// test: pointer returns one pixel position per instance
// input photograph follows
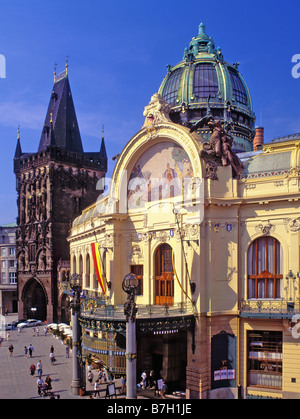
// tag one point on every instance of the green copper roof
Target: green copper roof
(204, 82)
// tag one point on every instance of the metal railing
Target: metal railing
(269, 308)
(98, 311)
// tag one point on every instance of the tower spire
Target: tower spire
(103, 154)
(18, 152)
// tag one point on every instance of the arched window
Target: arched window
(80, 265)
(265, 268)
(74, 265)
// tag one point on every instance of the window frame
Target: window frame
(265, 276)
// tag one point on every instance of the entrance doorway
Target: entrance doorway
(164, 276)
(35, 304)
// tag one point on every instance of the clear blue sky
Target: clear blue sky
(118, 51)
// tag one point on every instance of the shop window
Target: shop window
(265, 359)
(265, 268)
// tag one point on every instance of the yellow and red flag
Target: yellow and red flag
(97, 265)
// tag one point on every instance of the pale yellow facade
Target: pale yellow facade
(210, 233)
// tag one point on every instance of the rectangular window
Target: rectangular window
(265, 359)
(138, 271)
(12, 277)
(264, 268)
(12, 263)
(205, 80)
(12, 251)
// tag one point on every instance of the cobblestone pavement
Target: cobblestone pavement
(16, 381)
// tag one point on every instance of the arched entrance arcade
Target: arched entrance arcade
(34, 298)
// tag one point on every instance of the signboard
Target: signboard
(110, 390)
(224, 375)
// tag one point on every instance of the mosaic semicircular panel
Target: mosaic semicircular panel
(160, 173)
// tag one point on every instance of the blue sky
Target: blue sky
(118, 51)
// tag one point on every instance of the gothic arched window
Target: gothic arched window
(265, 268)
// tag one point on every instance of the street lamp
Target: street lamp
(75, 291)
(129, 285)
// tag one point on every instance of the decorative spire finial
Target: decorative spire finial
(201, 28)
(18, 132)
(55, 65)
(67, 64)
(103, 131)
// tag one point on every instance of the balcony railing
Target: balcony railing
(280, 309)
(93, 308)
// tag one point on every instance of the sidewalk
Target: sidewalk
(15, 379)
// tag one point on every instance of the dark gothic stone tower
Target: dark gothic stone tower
(53, 186)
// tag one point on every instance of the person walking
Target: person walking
(11, 350)
(163, 390)
(52, 358)
(37, 331)
(32, 370)
(123, 382)
(90, 377)
(40, 382)
(25, 351)
(48, 381)
(30, 350)
(67, 351)
(39, 368)
(97, 388)
(144, 380)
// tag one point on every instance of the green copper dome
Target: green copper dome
(203, 82)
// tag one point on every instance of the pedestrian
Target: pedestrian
(45, 331)
(67, 351)
(33, 332)
(32, 369)
(163, 389)
(123, 382)
(48, 381)
(144, 379)
(100, 376)
(97, 388)
(90, 377)
(52, 349)
(7, 336)
(39, 368)
(25, 351)
(11, 350)
(37, 331)
(52, 358)
(40, 382)
(30, 350)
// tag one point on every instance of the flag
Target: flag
(97, 265)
